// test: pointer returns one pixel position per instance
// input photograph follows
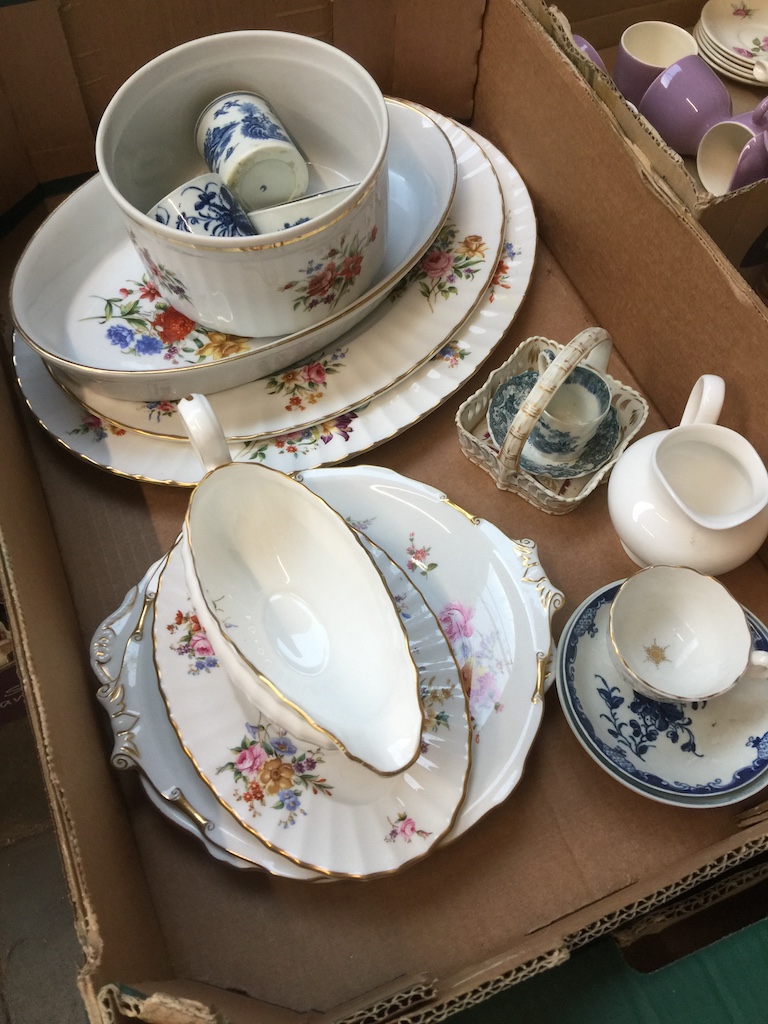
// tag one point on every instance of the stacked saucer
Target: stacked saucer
(460, 249)
(733, 39)
(477, 609)
(698, 754)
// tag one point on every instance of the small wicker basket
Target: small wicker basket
(554, 496)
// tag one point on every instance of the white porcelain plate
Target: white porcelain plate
(705, 754)
(419, 316)
(492, 598)
(81, 298)
(739, 29)
(719, 60)
(316, 807)
(142, 457)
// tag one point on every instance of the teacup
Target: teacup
(572, 416)
(203, 206)
(298, 211)
(679, 636)
(589, 51)
(240, 137)
(732, 154)
(683, 103)
(645, 50)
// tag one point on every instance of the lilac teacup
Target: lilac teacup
(645, 50)
(684, 101)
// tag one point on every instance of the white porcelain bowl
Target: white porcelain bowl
(335, 113)
(299, 615)
(679, 636)
(82, 253)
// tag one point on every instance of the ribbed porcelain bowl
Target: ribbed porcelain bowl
(300, 617)
(269, 284)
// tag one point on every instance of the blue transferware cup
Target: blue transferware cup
(573, 414)
(203, 206)
(241, 138)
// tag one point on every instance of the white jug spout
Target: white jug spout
(713, 473)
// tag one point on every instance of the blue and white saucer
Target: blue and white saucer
(503, 408)
(704, 754)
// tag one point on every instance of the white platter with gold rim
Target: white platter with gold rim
(330, 441)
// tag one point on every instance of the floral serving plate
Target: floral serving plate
(123, 660)
(95, 316)
(490, 594)
(739, 29)
(142, 457)
(439, 292)
(701, 754)
(316, 806)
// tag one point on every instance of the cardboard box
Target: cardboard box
(167, 932)
(738, 221)
(11, 693)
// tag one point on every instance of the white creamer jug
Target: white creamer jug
(695, 495)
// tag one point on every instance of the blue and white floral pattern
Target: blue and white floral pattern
(698, 749)
(238, 118)
(211, 209)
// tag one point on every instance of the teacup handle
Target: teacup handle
(705, 401)
(204, 430)
(549, 381)
(758, 665)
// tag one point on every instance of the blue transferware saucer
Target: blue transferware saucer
(703, 754)
(503, 408)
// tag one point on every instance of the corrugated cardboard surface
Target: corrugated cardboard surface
(46, 134)
(571, 852)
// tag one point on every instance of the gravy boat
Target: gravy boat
(296, 609)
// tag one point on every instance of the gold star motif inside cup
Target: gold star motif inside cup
(655, 653)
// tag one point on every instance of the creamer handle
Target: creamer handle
(705, 400)
(758, 665)
(204, 430)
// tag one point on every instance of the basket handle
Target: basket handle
(541, 393)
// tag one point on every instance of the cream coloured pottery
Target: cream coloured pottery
(136, 455)
(696, 495)
(335, 113)
(680, 636)
(82, 299)
(440, 292)
(697, 756)
(300, 616)
(489, 592)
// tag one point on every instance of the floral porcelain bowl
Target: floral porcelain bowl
(300, 616)
(270, 284)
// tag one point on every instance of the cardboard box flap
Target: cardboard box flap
(105, 883)
(44, 95)
(189, 1002)
(588, 190)
(569, 853)
(408, 53)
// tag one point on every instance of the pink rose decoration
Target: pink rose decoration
(201, 645)
(315, 373)
(250, 760)
(455, 620)
(436, 264)
(322, 282)
(407, 828)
